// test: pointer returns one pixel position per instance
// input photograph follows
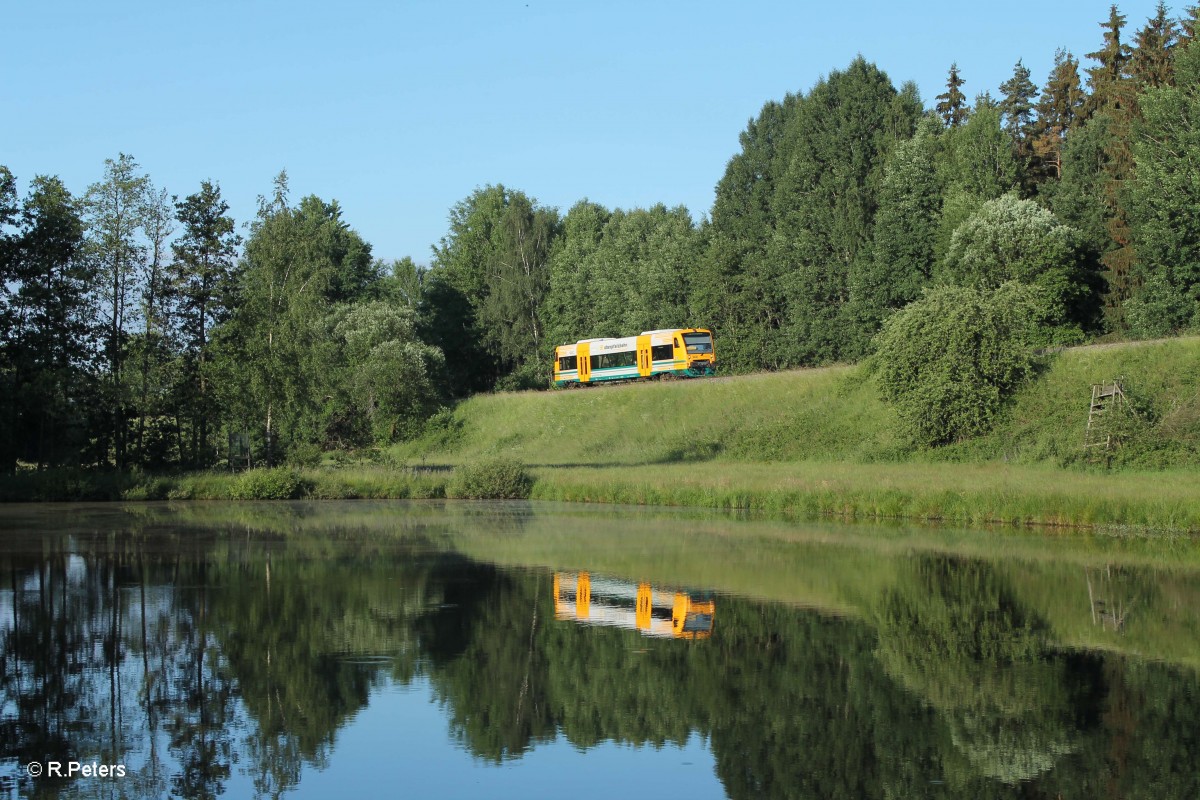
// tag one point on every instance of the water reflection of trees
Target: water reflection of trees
(99, 659)
(955, 636)
(259, 652)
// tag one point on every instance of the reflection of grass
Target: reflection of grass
(963, 493)
(836, 567)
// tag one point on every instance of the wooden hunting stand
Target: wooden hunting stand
(1106, 398)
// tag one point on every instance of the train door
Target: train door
(583, 596)
(644, 609)
(584, 353)
(643, 356)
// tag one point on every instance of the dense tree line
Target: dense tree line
(139, 330)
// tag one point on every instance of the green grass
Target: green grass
(821, 442)
(829, 414)
(283, 483)
(961, 493)
(1046, 422)
(801, 443)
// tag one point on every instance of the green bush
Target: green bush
(494, 479)
(280, 483)
(304, 454)
(949, 361)
(531, 375)
(148, 488)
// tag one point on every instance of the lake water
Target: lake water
(517, 650)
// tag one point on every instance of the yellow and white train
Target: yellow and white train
(675, 352)
(658, 613)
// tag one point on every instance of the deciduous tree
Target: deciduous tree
(949, 361)
(114, 211)
(298, 262)
(905, 236)
(1165, 204)
(496, 254)
(1010, 239)
(825, 206)
(739, 291)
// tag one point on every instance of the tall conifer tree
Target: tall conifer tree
(202, 288)
(1111, 88)
(952, 104)
(1058, 109)
(1114, 96)
(1163, 200)
(1017, 105)
(1150, 64)
(1189, 25)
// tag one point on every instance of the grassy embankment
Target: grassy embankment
(821, 442)
(787, 444)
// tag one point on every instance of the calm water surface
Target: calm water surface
(535, 650)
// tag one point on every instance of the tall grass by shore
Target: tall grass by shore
(967, 494)
(281, 483)
(970, 494)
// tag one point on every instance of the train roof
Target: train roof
(661, 331)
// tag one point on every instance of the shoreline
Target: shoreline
(974, 494)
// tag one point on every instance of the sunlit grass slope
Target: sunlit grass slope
(831, 414)
(821, 442)
(819, 414)
(1046, 422)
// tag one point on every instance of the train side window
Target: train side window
(677, 342)
(661, 352)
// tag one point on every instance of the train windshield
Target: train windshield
(698, 342)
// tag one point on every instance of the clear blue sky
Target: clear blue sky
(400, 109)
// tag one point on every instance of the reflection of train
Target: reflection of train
(635, 606)
(673, 352)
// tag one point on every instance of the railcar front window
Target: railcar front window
(698, 342)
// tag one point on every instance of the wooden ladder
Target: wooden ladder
(1104, 396)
